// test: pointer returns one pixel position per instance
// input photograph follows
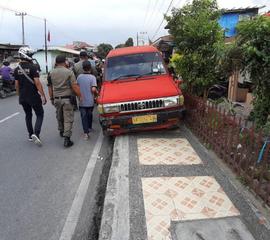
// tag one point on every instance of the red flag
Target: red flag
(49, 36)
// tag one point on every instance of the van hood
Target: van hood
(140, 89)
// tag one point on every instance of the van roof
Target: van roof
(131, 50)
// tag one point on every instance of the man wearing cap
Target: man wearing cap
(61, 85)
(78, 68)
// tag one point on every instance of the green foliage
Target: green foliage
(129, 42)
(254, 41)
(104, 49)
(200, 42)
(229, 106)
(120, 46)
(174, 61)
(230, 60)
(266, 127)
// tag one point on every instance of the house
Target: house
(231, 17)
(239, 83)
(52, 53)
(8, 51)
(79, 46)
(267, 14)
(165, 45)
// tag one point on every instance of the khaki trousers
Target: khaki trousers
(64, 116)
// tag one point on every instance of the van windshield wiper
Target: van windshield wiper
(123, 76)
(147, 74)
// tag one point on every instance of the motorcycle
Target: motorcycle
(218, 91)
(6, 88)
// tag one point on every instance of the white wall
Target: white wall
(40, 57)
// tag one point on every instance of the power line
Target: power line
(16, 11)
(153, 12)
(147, 11)
(36, 17)
(168, 9)
(160, 11)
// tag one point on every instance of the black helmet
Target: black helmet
(83, 54)
(6, 62)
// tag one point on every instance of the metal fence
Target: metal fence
(246, 151)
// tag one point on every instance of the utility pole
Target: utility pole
(46, 47)
(140, 37)
(22, 14)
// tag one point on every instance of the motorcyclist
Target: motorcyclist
(31, 93)
(7, 77)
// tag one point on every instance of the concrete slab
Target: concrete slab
(115, 220)
(127, 211)
(230, 228)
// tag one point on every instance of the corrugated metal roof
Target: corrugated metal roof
(62, 49)
(166, 38)
(241, 10)
(11, 46)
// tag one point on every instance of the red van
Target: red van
(138, 93)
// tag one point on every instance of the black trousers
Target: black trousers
(38, 109)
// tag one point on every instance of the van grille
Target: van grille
(141, 105)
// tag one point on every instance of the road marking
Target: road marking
(75, 210)
(9, 117)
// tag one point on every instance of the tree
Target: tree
(129, 42)
(254, 41)
(103, 50)
(120, 46)
(199, 40)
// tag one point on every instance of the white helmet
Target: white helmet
(26, 53)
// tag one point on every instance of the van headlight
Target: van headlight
(171, 101)
(111, 108)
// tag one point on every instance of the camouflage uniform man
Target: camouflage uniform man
(78, 68)
(61, 84)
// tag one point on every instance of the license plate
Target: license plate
(144, 119)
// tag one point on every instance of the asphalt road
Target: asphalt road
(38, 185)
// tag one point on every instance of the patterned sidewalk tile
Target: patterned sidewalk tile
(164, 151)
(182, 198)
(158, 228)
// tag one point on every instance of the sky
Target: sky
(93, 21)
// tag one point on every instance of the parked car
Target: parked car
(138, 93)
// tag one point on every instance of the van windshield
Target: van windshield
(134, 65)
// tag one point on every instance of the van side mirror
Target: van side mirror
(178, 82)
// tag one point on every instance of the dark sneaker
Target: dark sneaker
(30, 139)
(61, 134)
(36, 140)
(67, 142)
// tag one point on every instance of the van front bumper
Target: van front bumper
(116, 125)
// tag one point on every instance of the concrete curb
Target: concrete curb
(115, 219)
(78, 218)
